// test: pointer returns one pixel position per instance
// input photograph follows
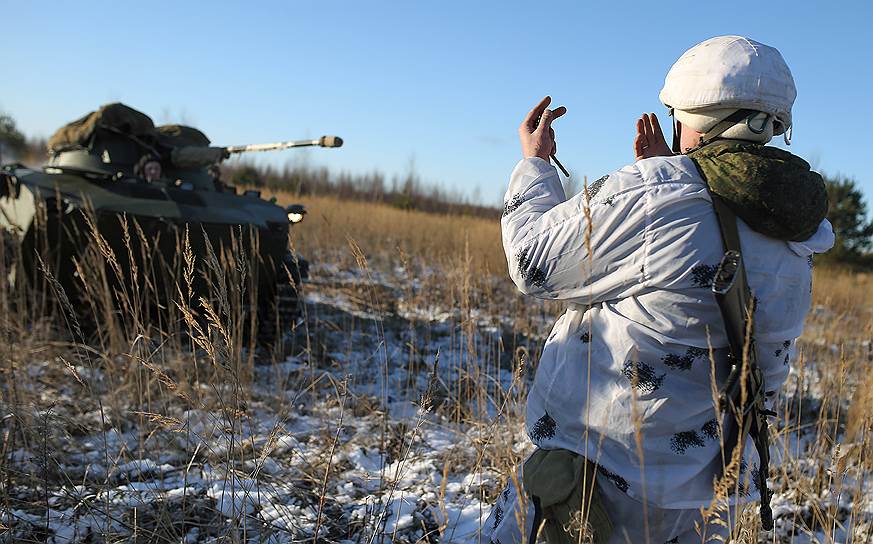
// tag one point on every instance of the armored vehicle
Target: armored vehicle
(148, 200)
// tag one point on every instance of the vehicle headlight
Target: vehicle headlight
(295, 213)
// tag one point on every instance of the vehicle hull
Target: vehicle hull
(152, 246)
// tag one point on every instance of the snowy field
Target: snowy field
(358, 440)
(393, 414)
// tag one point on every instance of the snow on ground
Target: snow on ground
(398, 470)
(363, 439)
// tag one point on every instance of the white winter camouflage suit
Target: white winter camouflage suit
(640, 311)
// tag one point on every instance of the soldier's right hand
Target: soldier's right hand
(536, 134)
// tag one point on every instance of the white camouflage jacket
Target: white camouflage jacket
(634, 261)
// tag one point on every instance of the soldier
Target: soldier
(214, 172)
(148, 168)
(621, 410)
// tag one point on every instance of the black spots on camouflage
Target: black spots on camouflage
(680, 442)
(617, 480)
(696, 352)
(741, 488)
(680, 362)
(531, 275)
(703, 274)
(710, 429)
(809, 261)
(586, 337)
(785, 348)
(756, 478)
(684, 440)
(498, 516)
(683, 362)
(644, 376)
(785, 345)
(595, 187)
(544, 428)
(674, 540)
(512, 204)
(506, 495)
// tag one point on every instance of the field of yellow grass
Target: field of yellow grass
(383, 232)
(392, 412)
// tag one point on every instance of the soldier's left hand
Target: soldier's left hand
(650, 140)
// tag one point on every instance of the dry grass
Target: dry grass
(843, 291)
(196, 394)
(384, 233)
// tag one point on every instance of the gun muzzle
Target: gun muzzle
(330, 141)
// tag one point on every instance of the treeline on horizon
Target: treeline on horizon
(406, 191)
(847, 209)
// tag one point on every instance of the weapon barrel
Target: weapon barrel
(324, 141)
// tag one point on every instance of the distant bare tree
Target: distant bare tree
(12, 141)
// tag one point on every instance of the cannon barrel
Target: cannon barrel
(198, 157)
(324, 141)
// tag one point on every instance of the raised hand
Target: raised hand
(536, 134)
(650, 140)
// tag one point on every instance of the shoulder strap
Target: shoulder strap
(727, 223)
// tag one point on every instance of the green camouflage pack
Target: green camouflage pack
(770, 189)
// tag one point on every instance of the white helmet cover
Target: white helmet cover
(731, 72)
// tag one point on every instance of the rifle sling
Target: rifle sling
(727, 224)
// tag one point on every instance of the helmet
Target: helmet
(728, 73)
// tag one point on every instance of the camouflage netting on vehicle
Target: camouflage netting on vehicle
(180, 135)
(114, 117)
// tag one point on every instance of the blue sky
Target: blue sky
(442, 85)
